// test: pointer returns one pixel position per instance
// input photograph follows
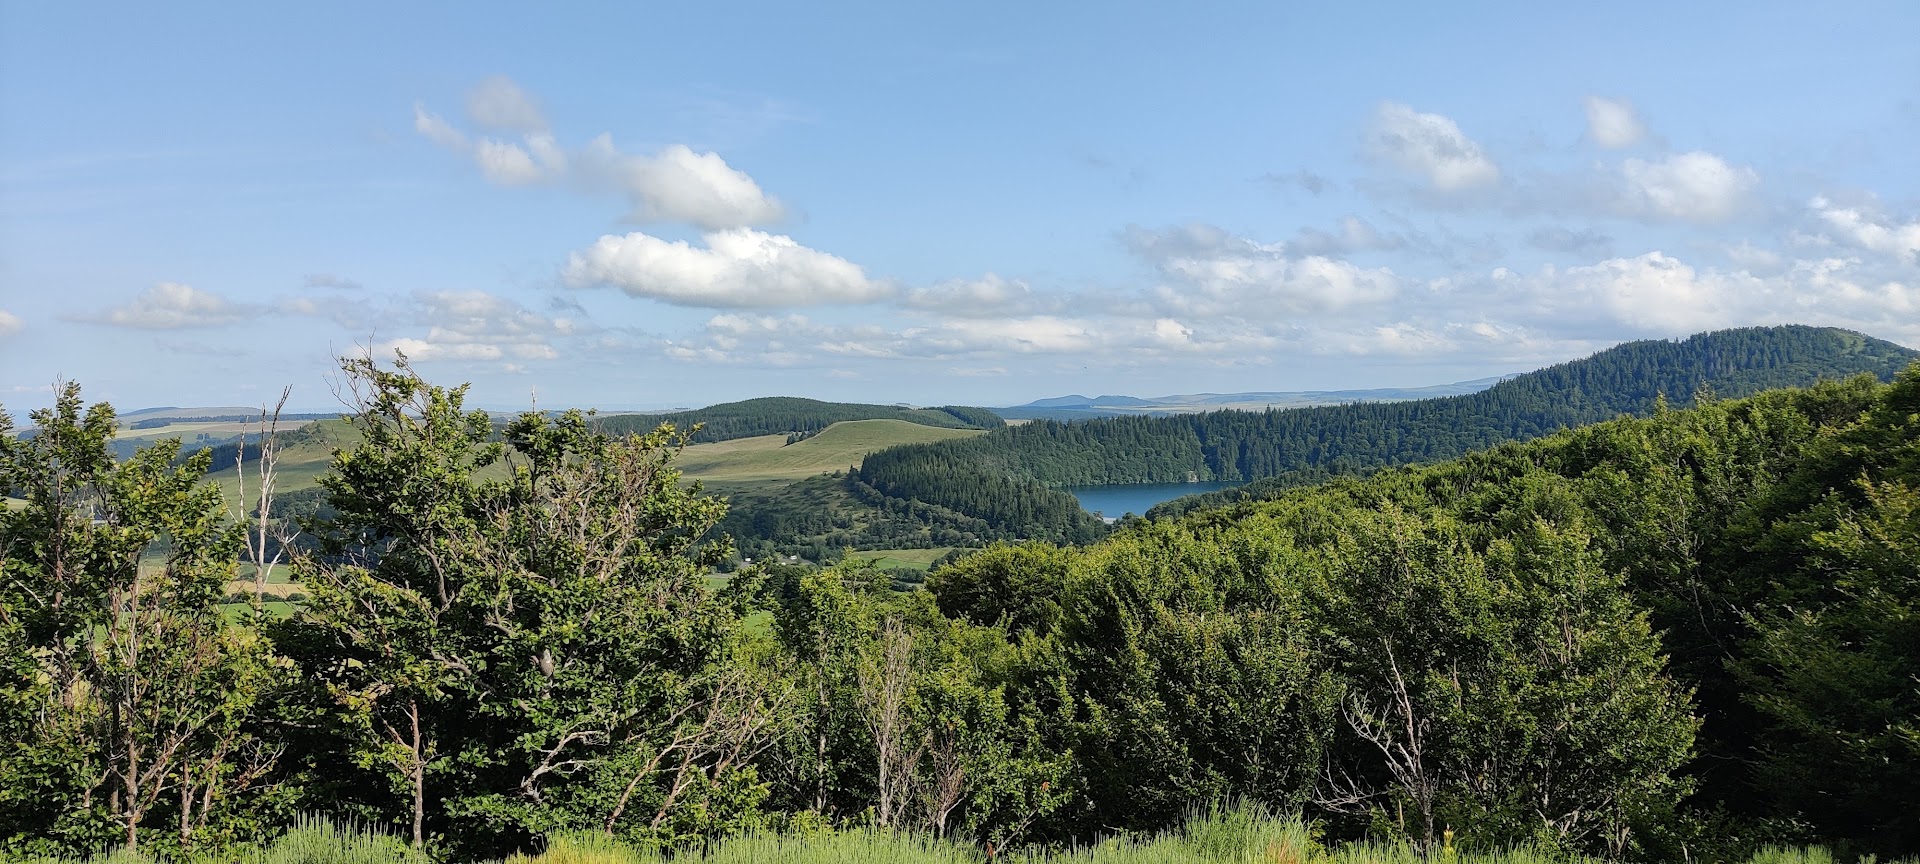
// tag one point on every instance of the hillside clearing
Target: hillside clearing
(895, 559)
(836, 448)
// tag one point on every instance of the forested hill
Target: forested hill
(786, 415)
(1314, 442)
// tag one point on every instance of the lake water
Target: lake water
(1116, 501)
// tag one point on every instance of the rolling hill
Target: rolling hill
(973, 476)
(306, 452)
(785, 415)
(835, 448)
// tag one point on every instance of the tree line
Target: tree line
(1306, 444)
(1665, 638)
(787, 415)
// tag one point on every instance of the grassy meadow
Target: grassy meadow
(725, 465)
(894, 559)
(1220, 836)
(770, 457)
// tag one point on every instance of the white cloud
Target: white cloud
(988, 296)
(477, 326)
(10, 323)
(793, 340)
(439, 131)
(498, 103)
(1400, 338)
(174, 306)
(510, 164)
(424, 350)
(1431, 146)
(675, 185)
(736, 268)
(1613, 123)
(1660, 293)
(1868, 231)
(1213, 273)
(679, 185)
(1691, 187)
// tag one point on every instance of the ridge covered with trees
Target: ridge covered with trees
(787, 415)
(1308, 444)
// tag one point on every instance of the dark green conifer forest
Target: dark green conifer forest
(1306, 444)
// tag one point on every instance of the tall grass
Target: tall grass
(1217, 835)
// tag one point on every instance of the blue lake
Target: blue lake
(1116, 501)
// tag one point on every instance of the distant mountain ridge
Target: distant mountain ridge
(1077, 406)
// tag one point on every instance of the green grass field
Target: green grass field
(1214, 836)
(770, 457)
(726, 466)
(188, 431)
(894, 559)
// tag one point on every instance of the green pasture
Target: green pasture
(836, 448)
(894, 559)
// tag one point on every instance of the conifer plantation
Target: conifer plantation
(1685, 636)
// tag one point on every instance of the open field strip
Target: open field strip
(893, 559)
(838, 447)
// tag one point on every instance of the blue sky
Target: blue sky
(635, 205)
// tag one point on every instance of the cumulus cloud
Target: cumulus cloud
(1613, 123)
(738, 267)
(1657, 293)
(10, 323)
(174, 306)
(1399, 338)
(1870, 231)
(1210, 272)
(989, 296)
(477, 326)
(537, 161)
(676, 184)
(794, 340)
(498, 103)
(680, 185)
(1430, 146)
(1660, 293)
(1690, 187)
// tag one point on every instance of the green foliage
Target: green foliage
(127, 698)
(1015, 587)
(509, 657)
(1830, 662)
(823, 517)
(905, 713)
